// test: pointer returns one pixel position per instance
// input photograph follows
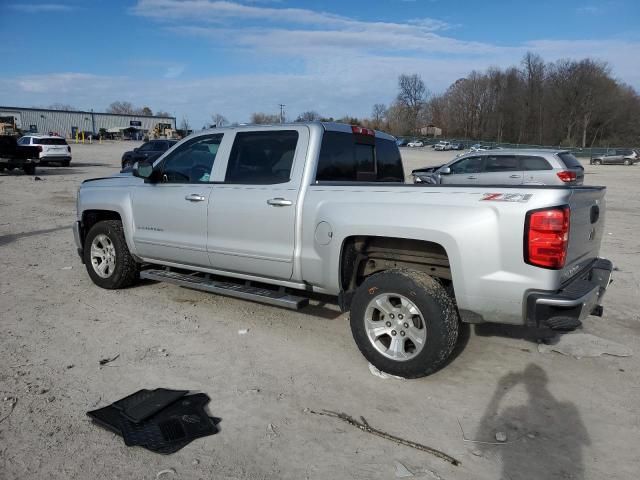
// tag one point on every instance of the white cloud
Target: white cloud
(341, 65)
(174, 71)
(589, 9)
(40, 7)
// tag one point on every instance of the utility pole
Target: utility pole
(282, 105)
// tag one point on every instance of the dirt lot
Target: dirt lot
(565, 418)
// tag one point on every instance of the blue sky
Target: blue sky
(196, 57)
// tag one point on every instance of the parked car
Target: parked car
(442, 146)
(14, 155)
(507, 167)
(457, 146)
(148, 151)
(618, 156)
(53, 149)
(323, 207)
(402, 142)
(415, 143)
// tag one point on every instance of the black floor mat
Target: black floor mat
(167, 431)
(145, 403)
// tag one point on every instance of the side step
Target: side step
(278, 298)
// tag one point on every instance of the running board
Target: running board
(278, 298)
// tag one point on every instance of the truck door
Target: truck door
(252, 212)
(170, 216)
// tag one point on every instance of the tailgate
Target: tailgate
(586, 228)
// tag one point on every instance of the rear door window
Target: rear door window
(501, 163)
(534, 163)
(570, 160)
(262, 158)
(347, 157)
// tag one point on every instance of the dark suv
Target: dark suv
(148, 151)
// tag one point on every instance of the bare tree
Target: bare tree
(219, 120)
(62, 106)
(125, 108)
(162, 113)
(184, 124)
(145, 111)
(264, 118)
(378, 115)
(309, 116)
(412, 96)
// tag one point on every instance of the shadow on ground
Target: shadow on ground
(545, 437)
(6, 239)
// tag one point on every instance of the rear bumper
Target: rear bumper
(567, 307)
(54, 159)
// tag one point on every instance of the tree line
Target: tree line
(568, 102)
(573, 103)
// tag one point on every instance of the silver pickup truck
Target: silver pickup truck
(277, 213)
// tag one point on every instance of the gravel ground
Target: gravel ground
(564, 418)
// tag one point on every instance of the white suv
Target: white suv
(53, 149)
(443, 146)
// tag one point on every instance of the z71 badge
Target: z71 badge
(506, 197)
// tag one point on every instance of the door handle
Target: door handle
(279, 202)
(472, 177)
(514, 176)
(194, 197)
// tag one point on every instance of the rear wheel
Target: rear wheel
(107, 257)
(29, 169)
(404, 322)
(66, 163)
(627, 162)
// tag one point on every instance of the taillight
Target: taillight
(363, 131)
(567, 176)
(546, 237)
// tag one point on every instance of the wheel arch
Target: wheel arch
(362, 256)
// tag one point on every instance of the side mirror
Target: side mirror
(136, 149)
(143, 170)
(442, 171)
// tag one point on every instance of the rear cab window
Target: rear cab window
(356, 157)
(570, 160)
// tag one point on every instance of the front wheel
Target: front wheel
(627, 162)
(107, 257)
(597, 162)
(404, 322)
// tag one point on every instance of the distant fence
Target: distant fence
(577, 151)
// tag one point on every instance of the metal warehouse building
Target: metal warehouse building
(67, 123)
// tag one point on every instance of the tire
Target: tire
(426, 339)
(597, 162)
(120, 270)
(627, 162)
(29, 169)
(127, 164)
(66, 163)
